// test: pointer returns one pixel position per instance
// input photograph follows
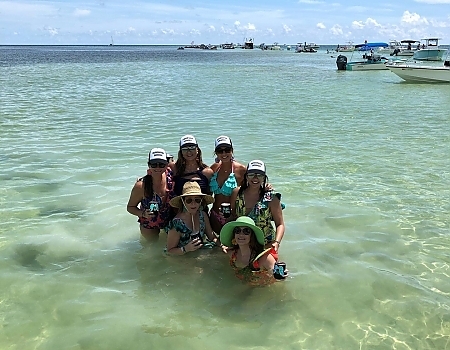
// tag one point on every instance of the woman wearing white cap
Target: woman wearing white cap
(228, 174)
(150, 196)
(189, 166)
(253, 199)
(190, 227)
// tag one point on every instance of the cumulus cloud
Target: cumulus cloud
(81, 13)
(413, 18)
(51, 31)
(320, 25)
(249, 26)
(336, 30)
(211, 29)
(357, 25)
(286, 28)
(369, 22)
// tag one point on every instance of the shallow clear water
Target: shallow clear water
(360, 158)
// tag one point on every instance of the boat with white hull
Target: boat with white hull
(421, 73)
(430, 51)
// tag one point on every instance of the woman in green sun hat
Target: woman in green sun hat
(251, 263)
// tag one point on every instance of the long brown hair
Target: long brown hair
(255, 247)
(180, 164)
(148, 185)
(262, 189)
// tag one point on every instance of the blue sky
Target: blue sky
(219, 21)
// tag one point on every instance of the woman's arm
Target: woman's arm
(136, 195)
(277, 215)
(233, 203)
(173, 238)
(212, 236)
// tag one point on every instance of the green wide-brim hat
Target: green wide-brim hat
(226, 233)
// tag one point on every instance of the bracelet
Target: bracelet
(277, 242)
(183, 249)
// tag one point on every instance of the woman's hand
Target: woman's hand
(193, 245)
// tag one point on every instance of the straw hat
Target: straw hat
(191, 188)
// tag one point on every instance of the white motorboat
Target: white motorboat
(411, 72)
(429, 51)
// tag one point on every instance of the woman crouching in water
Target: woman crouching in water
(189, 229)
(251, 263)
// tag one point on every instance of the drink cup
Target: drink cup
(153, 208)
(226, 209)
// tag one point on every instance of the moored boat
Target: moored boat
(369, 59)
(430, 50)
(411, 72)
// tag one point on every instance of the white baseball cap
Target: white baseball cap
(188, 140)
(256, 166)
(223, 141)
(157, 155)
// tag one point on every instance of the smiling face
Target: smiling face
(156, 167)
(224, 153)
(189, 152)
(192, 203)
(242, 235)
(255, 179)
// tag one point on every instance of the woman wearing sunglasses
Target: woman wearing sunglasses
(254, 199)
(228, 174)
(251, 263)
(189, 166)
(189, 229)
(150, 196)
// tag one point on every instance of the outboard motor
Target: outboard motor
(446, 63)
(396, 52)
(341, 62)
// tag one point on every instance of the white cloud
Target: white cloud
(336, 30)
(413, 18)
(286, 28)
(357, 24)
(81, 13)
(370, 22)
(211, 29)
(320, 25)
(51, 31)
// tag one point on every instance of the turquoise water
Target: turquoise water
(361, 159)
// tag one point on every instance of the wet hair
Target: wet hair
(181, 164)
(262, 189)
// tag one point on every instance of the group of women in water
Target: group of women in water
(227, 204)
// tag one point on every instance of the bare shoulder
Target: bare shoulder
(208, 172)
(215, 166)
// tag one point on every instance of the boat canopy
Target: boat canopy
(368, 46)
(410, 41)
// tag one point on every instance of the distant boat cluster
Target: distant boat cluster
(249, 45)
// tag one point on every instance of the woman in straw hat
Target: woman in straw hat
(188, 228)
(248, 258)
(150, 196)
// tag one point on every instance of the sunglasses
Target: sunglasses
(158, 165)
(223, 150)
(196, 200)
(188, 148)
(259, 176)
(244, 230)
